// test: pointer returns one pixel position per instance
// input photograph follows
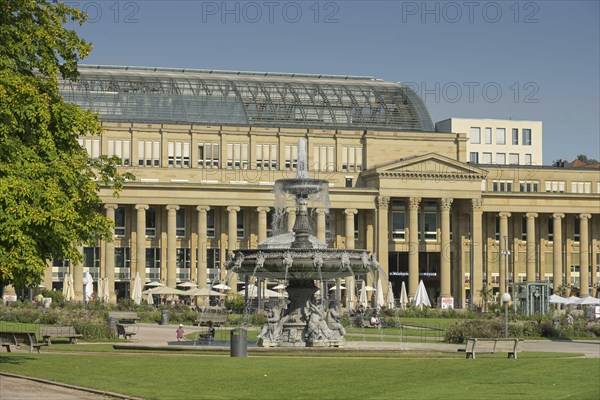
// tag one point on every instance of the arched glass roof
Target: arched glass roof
(161, 95)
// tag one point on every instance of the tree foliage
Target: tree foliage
(585, 159)
(49, 201)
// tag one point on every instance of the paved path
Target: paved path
(164, 336)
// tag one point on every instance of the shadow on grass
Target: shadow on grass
(6, 358)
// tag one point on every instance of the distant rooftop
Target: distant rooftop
(214, 97)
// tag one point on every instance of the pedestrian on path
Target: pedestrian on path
(180, 333)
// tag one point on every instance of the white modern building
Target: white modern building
(498, 141)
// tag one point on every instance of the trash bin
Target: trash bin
(239, 342)
(164, 317)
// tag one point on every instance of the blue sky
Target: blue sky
(533, 60)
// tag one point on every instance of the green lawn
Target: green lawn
(317, 375)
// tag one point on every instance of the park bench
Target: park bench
(19, 339)
(474, 345)
(128, 317)
(48, 332)
(216, 319)
(123, 331)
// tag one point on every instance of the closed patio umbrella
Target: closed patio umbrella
(390, 303)
(403, 296)
(136, 295)
(379, 301)
(421, 298)
(363, 296)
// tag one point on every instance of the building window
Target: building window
(488, 135)
(153, 263)
(91, 257)
(351, 159)
(515, 136)
(291, 157)
(183, 257)
(92, 146)
(581, 187)
(179, 154)
(550, 228)
(555, 186)
(208, 155)
(151, 222)
(524, 228)
(122, 262)
(526, 137)
(213, 263)
(497, 229)
(240, 224)
(266, 156)
(513, 158)
(486, 158)
(91, 261)
(398, 220)
(475, 135)
(528, 159)
(474, 157)
(356, 227)
(576, 229)
(324, 158)
(501, 158)
(529, 186)
(500, 136)
(120, 221)
(502, 186)
(210, 223)
(121, 149)
(180, 222)
(237, 156)
(148, 153)
(430, 219)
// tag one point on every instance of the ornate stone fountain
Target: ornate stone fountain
(301, 259)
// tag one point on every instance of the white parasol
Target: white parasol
(136, 294)
(390, 303)
(403, 296)
(363, 296)
(380, 302)
(89, 287)
(421, 298)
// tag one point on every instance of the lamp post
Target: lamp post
(506, 253)
(505, 300)
(84, 280)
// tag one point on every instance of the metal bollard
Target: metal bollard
(164, 317)
(239, 342)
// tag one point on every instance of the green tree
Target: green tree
(49, 201)
(585, 159)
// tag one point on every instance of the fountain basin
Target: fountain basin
(302, 186)
(302, 263)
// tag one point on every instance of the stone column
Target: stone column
(171, 245)
(584, 257)
(530, 260)
(382, 204)
(413, 246)
(476, 249)
(291, 218)
(445, 293)
(109, 262)
(321, 224)
(350, 213)
(262, 223)
(201, 271)
(503, 260)
(140, 235)
(557, 273)
(232, 241)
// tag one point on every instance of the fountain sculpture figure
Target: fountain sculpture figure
(301, 259)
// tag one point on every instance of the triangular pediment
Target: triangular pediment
(430, 165)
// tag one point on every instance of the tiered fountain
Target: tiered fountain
(301, 259)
